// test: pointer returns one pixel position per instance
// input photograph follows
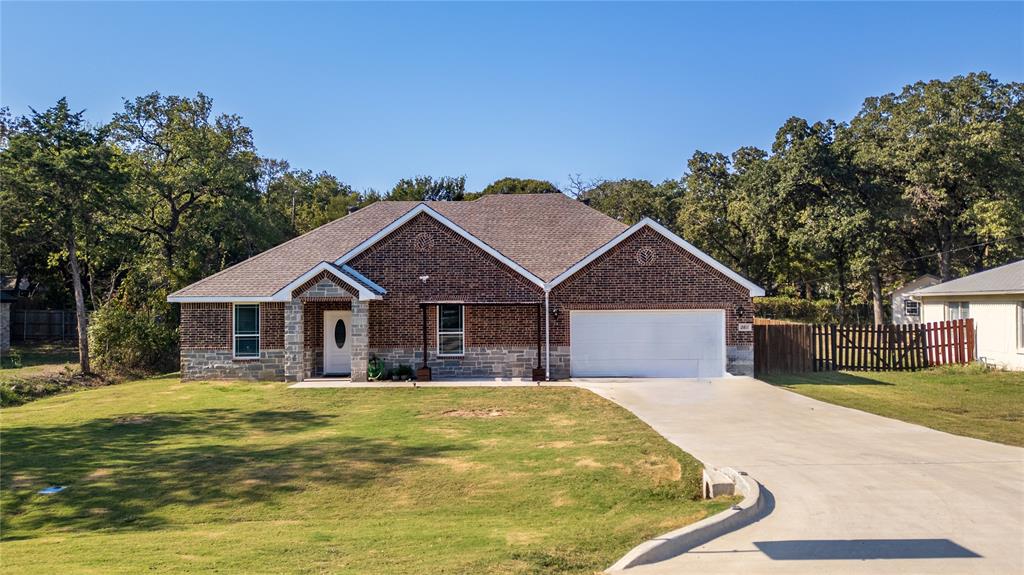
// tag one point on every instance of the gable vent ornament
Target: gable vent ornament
(644, 256)
(423, 242)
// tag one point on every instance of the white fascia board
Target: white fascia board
(285, 293)
(949, 294)
(755, 290)
(425, 209)
(361, 278)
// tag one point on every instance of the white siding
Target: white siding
(995, 320)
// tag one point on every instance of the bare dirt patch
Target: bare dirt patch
(588, 463)
(561, 500)
(132, 419)
(489, 412)
(98, 473)
(457, 464)
(523, 537)
(556, 444)
(660, 469)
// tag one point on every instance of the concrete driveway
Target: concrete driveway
(853, 492)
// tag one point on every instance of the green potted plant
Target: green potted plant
(375, 369)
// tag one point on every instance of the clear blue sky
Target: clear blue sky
(375, 92)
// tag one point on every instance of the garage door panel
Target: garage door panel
(646, 343)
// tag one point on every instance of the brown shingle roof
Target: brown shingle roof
(544, 233)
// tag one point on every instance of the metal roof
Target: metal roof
(1006, 279)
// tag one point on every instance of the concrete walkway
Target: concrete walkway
(853, 492)
(345, 383)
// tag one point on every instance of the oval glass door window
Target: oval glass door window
(339, 334)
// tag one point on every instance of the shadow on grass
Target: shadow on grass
(120, 471)
(819, 378)
(42, 354)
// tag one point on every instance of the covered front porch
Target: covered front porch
(453, 353)
(329, 338)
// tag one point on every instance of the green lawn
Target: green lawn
(962, 400)
(37, 360)
(164, 476)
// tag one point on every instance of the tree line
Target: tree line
(113, 217)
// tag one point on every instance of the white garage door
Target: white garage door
(647, 343)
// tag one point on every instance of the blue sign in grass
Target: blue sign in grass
(52, 489)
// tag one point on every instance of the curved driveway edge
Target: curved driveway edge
(754, 506)
(854, 492)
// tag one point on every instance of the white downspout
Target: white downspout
(547, 338)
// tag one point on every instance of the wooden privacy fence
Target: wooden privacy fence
(43, 325)
(795, 348)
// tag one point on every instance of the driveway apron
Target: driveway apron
(853, 492)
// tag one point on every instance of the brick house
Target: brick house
(506, 286)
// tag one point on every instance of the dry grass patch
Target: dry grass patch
(489, 412)
(399, 481)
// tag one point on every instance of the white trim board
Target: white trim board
(755, 290)
(425, 209)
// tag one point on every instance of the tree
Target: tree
(816, 205)
(427, 189)
(309, 201)
(61, 175)
(193, 181)
(957, 146)
(723, 211)
(515, 186)
(629, 201)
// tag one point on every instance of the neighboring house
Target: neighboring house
(906, 309)
(995, 300)
(511, 286)
(6, 299)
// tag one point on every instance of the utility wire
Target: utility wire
(931, 255)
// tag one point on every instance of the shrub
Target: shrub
(25, 389)
(795, 309)
(375, 369)
(127, 340)
(13, 359)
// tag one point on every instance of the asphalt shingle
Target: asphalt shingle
(544, 233)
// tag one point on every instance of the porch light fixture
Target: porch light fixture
(739, 312)
(556, 311)
(424, 278)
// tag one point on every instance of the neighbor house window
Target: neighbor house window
(451, 339)
(958, 310)
(247, 330)
(912, 307)
(1020, 326)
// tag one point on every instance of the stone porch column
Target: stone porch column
(293, 341)
(360, 339)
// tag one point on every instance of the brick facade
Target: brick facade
(205, 326)
(272, 325)
(672, 279)
(457, 270)
(324, 283)
(646, 271)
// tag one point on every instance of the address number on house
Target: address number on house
(744, 327)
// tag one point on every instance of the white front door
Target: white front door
(647, 343)
(337, 342)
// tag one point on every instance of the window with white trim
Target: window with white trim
(1020, 327)
(451, 337)
(958, 310)
(912, 307)
(246, 330)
